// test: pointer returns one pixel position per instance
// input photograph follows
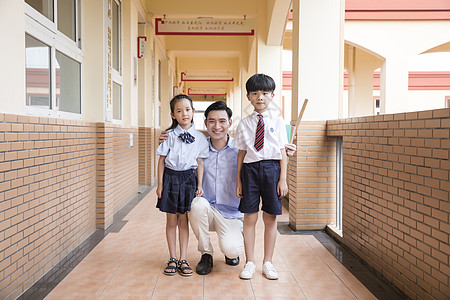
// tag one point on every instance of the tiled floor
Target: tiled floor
(128, 264)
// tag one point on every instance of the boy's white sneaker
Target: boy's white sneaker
(249, 270)
(269, 271)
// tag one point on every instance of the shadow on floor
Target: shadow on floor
(375, 283)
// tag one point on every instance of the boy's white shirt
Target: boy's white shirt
(181, 156)
(275, 137)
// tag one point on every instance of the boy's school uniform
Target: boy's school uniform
(275, 137)
(260, 172)
(179, 178)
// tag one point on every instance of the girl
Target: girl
(180, 176)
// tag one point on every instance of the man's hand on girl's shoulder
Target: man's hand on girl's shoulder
(163, 136)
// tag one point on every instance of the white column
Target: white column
(269, 63)
(317, 58)
(394, 85)
(269, 49)
(166, 120)
(12, 57)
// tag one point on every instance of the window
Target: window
(53, 58)
(116, 37)
(68, 78)
(117, 101)
(45, 7)
(376, 105)
(447, 101)
(116, 49)
(67, 18)
(201, 103)
(339, 183)
(199, 116)
(37, 75)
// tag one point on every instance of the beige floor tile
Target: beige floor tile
(78, 288)
(54, 297)
(178, 286)
(228, 288)
(186, 297)
(278, 291)
(119, 297)
(87, 273)
(125, 288)
(128, 265)
(227, 298)
(284, 277)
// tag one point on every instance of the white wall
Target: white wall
(398, 43)
(12, 57)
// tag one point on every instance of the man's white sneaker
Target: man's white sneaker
(269, 271)
(248, 271)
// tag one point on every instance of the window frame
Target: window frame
(339, 182)
(116, 75)
(41, 28)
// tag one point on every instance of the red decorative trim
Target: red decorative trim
(397, 15)
(429, 81)
(416, 80)
(287, 80)
(397, 10)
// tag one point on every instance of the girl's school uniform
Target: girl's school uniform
(179, 179)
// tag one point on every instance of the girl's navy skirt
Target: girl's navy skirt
(178, 191)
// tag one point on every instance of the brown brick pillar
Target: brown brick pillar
(145, 153)
(105, 174)
(312, 178)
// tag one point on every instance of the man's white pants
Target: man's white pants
(204, 218)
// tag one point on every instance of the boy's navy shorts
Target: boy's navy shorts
(260, 179)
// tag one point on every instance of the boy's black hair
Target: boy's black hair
(218, 105)
(260, 82)
(172, 108)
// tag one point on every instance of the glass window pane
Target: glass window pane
(68, 84)
(201, 106)
(45, 7)
(37, 64)
(117, 101)
(66, 18)
(116, 35)
(199, 124)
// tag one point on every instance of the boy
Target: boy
(261, 171)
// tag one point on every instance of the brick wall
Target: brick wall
(55, 177)
(396, 197)
(146, 156)
(126, 162)
(312, 178)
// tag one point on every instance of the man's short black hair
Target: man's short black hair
(218, 105)
(260, 82)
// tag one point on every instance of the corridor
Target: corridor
(128, 264)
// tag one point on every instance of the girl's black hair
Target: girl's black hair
(218, 105)
(260, 82)
(172, 108)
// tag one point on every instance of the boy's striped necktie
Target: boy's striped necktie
(259, 139)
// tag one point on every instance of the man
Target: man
(218, 210)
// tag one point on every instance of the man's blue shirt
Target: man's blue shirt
(219, 180)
